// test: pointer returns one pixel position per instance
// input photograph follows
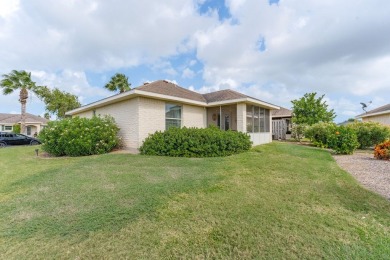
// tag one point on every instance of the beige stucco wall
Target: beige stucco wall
(383, 119)
(125, 114)
(260, 138)
(151, 117)
(140, 116)
(194, 116)
(86, 114)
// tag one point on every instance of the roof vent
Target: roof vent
(146, 83)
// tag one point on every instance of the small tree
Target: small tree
(310, 110)
(119, 82)
(58, 102)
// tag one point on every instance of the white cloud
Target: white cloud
(337, 48)
(193, 62)
(74, 82)
(165, 67)
(188, 73)
(8, 7)
(97, 35)
(329, 46)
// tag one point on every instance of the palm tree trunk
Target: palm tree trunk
(23, 100)
(23, 119)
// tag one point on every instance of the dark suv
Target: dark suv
(16, 139)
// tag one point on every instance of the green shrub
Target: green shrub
(16, 128)
(382, 151)
(80, 136)
(298, 131)
(343, 141)
(321, 133)
(195, 142)
(370, 133)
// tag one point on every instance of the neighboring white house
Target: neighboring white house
(161, 104)
(34, 124)
(380, 115)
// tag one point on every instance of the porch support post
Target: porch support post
(241, 117)
(220, 117)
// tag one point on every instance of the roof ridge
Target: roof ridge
(199, 96)
(169, 82)
(228, 89)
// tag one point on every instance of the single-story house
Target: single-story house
(380, 115)
(281, 123)
(34, 124)
(161, 104)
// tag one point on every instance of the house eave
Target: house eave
(170, 98)
(139, 93)
(276, 116)
(27, 122)
(243, 100)
(133, 94)
(373, 114)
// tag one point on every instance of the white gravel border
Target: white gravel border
(371, 173)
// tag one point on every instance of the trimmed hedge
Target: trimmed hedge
(343, 140)
(195, 142)
(80, 136)
(370, 134)
(321, 133)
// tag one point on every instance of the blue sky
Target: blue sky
(273, 50)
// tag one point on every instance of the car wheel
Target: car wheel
(2, 144)
(34, 143)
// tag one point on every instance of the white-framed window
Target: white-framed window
(173, 114)
(7, 127)
(257, 119)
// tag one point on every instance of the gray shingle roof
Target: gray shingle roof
(168, 88)
(282, 112)
(164, 87)
(376, 110)
(222, 95)
(15, 118)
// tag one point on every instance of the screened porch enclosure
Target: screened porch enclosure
(247, 118)
(223, 117)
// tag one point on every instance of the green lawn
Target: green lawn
(277, 201)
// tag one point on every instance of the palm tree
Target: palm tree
(119, 82)
(18, 80)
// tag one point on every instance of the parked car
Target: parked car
(16, 139)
